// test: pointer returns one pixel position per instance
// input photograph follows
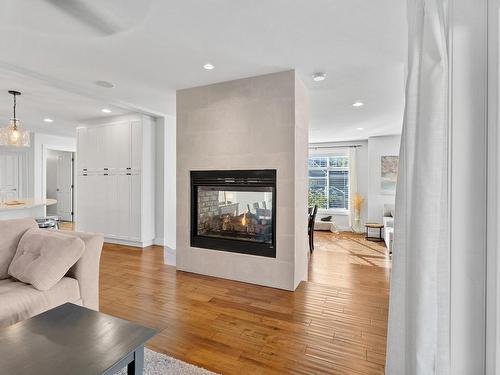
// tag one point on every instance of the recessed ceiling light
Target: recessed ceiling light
(358, 104)
(208, 66)
(319, 77)
(106, 110)
(105, 84)
(48, 120)
(360, 128)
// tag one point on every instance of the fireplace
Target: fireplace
(234, 211)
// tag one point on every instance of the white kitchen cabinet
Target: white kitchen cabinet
(117, 145)
(136, 226)
(115, 186)
(136, 146)
(9, 176)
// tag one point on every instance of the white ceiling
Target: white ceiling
(40, 100)
(152, 50)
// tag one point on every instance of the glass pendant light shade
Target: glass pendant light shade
(13, 134)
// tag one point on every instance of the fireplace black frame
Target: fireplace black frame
(238, 180)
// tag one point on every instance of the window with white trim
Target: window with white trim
(329, 181)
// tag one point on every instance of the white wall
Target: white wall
(148, 180)
(301, 136)
(170, 184)
(166, 186)
(269, 113)
(377, 147)
(160, 182)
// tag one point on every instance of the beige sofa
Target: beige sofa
(80, 285)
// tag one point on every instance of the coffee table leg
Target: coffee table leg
(136, 367)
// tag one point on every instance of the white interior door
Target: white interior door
(65, 186)
(9, 176)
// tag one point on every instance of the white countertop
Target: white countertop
(27, 203)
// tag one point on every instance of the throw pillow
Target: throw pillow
(44, 256)
(11, 232)
(326, 218)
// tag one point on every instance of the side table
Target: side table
(374, 226)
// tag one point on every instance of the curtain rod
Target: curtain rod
(320, 147)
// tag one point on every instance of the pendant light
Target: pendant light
(13, 134)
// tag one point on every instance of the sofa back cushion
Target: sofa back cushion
(44, 256)
(11, 232)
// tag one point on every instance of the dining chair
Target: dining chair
(310, 227)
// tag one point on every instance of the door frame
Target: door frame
(45, 149)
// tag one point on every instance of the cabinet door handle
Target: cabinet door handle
(84, 169)
(105, 169)
(129, 168)
(129, 174)
(106, 174)
(84, 174)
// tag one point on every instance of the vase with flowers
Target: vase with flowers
(357, 203)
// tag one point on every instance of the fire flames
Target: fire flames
(244, 219)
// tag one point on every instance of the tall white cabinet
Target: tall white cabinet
(115, 184)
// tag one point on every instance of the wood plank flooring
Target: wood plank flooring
(66, 225)
(333, 324)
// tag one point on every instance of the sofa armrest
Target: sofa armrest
(86, 270)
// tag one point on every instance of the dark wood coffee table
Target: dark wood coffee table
(71, 339)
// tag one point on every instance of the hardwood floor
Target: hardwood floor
(333, 324)
(66, 225)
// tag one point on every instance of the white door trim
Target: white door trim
(64, 190)
(45, 148)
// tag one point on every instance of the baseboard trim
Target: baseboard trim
(160, 241)
(141, 244)
(344, 229)
(169, 256)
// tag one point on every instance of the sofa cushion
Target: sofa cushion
(11, 232)
(43, 257)
(19, 301)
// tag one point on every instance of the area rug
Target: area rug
(161, 364)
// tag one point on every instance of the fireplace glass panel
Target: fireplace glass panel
(231, 213)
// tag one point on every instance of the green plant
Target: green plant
(316, 198)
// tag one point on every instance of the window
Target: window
(329, 181)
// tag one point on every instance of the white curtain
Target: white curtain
(418, 336)
(353, 184)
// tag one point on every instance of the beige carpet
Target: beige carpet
(161, 364)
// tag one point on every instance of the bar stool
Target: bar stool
(55, 218)
(47, 223)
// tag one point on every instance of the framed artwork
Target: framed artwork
(388, 174)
